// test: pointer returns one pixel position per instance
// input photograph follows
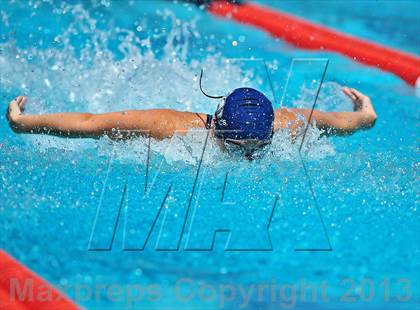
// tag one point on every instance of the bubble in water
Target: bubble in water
(105, 3)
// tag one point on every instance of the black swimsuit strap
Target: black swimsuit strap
(206, 123)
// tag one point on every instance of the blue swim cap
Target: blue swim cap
(246, 114)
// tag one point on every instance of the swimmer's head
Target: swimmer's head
(246, 114)
(244, 120)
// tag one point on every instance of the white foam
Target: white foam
(91, 77)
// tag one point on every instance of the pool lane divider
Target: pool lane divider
(308, 35)
(36, 293)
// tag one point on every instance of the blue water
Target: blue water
(103, 56)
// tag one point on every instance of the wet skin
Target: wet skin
(164, 123)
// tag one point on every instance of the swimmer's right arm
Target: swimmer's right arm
(158, 123)
(363, 116)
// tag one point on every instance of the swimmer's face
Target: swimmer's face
(245, 147)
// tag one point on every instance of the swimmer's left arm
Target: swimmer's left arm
(156, 123)
(363, 116)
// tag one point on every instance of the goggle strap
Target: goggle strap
(201, 88)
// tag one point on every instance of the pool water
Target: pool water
(60, 199)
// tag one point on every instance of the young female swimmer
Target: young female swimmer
(245, 121)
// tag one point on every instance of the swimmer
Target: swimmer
(244, 121)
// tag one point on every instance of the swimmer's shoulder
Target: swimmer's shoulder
(284, 118)
(197, 120)
(187, 120)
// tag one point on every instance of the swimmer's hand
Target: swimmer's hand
(361, 102)
(14, 112)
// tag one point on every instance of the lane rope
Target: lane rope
(22, 289)
(308, 35)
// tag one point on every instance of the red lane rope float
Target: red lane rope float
(21, 289)
(304, 34)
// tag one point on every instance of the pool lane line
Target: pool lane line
(304, 34)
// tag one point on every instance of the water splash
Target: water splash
(330, 98)
(89, 68)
